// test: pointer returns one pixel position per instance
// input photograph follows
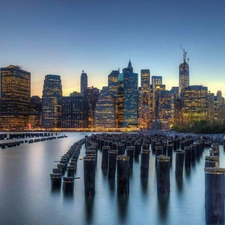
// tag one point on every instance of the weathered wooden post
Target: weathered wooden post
(122, 175)
(163, 174)
(214, 196)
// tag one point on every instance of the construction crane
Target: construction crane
(184, 54)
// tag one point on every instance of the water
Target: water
(26, 196)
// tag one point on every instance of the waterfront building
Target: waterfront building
(52, 102)
(165, 108)
(194, 103)
(156, 93)
(35, 112)
(184, 73)
(83, 82)
(145, 100)
(15, 88)
(104, 113)
(91, 93)
(128, 98)
(75, 111)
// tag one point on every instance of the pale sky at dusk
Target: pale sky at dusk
(65, 37)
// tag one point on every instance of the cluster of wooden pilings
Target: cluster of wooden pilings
(120, 150)
(66, 168)
(214, 187)
(15, 139)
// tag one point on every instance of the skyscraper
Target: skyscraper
(52, 101)
(104, 114)
(15, 97)
(165, 108)
(145, 100)
(91, 93)
(75, 111)
(128, 98)
(35, 112)
(83, 82)
(184, 73)
(156, 80)
(195, 103)
(113, 82)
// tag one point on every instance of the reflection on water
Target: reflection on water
(179, 182)
(163, 204)
(122, 202)
(144, 185)
(89, 203)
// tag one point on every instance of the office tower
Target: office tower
(145, 100)
(194, 103)
(91, 93)
(156, 80)
(113, 82)
(15, 97)
(104, 114)
(52, 102)
(35, 112)
(156, 94)
(83, 82)
(184, 72)
(128, 97)
(165, 108)
(75, 111)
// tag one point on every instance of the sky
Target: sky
(64, 37)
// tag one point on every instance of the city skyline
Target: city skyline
(67, 37)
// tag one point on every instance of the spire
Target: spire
(129, 67)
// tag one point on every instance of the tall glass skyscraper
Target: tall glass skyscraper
(83, 82)
(52, 101)
(128, 98)
(113, 82)
(14, 97)
(184, 73)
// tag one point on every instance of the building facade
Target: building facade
(145, 99)
(52, 102)
(15, 88)
(194, 100)
(91, 93)
(75, 111)
(35, 120)
(165, 108)
(104, 114)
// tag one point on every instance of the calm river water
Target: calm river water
(26, 196)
